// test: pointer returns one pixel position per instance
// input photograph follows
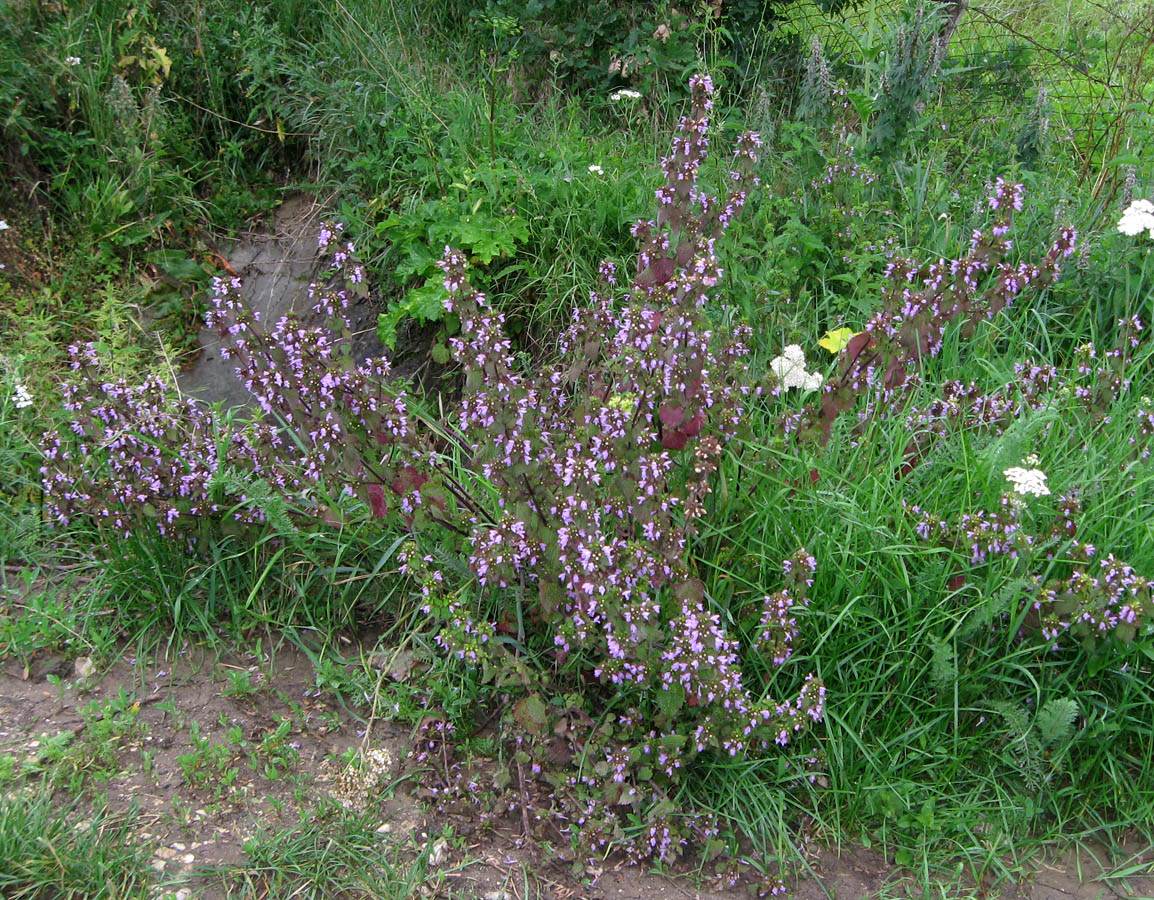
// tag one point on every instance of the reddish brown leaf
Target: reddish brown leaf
(857, 345)
(692, 428)
(377, 500)
(671, 416)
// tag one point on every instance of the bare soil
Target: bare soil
(191, 826)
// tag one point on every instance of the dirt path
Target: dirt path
(213, 749)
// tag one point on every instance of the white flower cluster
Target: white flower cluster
(1027, 481)
(72, 60)
(625, 94)
(1138, 217)
(596, 169)
(21, 397)
(790, 368)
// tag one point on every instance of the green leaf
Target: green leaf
(1055, 722)
(387, 325)
(670, 701)
(421, 261)
(530, 713)
(178, 265)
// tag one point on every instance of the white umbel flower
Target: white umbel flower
(790, 368)
(1030, 482)
(1138, 217)
(21, 397)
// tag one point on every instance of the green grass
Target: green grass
(330, 853)
(954, 738)
(48, 851)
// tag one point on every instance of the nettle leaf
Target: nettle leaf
(427, 303)
(421, 261)
(692, 590)
(671, 416)
(377, 500)
(490, 237)
(387, 325)
(552, 597)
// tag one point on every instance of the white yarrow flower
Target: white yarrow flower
(21, 397)
(596, 169)
(1027, 481)
(625, 94)
(790, 368)
(1138, 217)
(72, 60)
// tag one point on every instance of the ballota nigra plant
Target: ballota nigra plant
(573, 490)
(571, 493)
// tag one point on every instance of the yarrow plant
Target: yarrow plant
(21, 397)
(1027, 482)
(790, 369)
(1136, 218)
(1101, 597)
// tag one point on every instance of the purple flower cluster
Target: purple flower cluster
(140, 455)
(575, 490)
(1101, 597)
(144, 455)
(921, 301)
(601, 465)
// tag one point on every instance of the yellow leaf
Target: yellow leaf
(163, 59)
(835, 341)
